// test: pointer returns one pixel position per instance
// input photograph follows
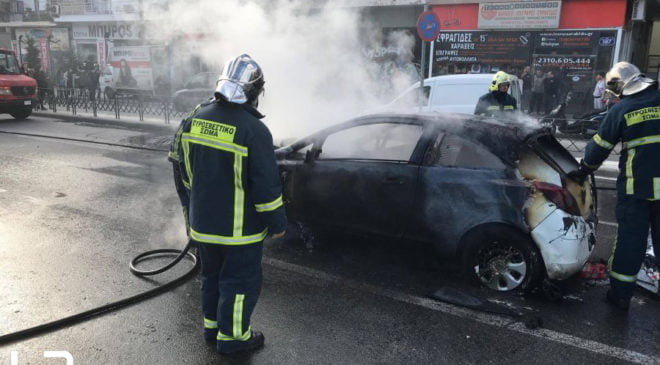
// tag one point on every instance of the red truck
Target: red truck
(18, 92)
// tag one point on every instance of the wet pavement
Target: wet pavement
(73, 214)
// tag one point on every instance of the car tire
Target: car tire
(502, 259)
(21, 114)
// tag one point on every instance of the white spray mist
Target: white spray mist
(314, 62)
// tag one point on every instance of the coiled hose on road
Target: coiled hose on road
(110, 307)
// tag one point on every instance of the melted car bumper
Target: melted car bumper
(565, 241)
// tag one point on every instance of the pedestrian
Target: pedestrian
(93, 81)
(635, 122)
(599, 91)
(550, 92)
(527, 80)
(497, 102)
(233, 203)
(536, 100)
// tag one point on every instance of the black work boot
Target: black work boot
(619, 303)
(228, 347)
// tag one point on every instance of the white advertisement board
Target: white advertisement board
(519, 15)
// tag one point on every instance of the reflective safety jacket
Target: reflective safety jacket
(635, 122)
(224, 159)
(492, 105)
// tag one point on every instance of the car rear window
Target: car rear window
(550, 147)
(459, 152)
(382, 141)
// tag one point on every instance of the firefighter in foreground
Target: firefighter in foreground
(228, 182)
(497, 102)
(635, 122)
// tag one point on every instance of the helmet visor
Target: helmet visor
(237, 78)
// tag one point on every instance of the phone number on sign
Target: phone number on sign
(564, 60)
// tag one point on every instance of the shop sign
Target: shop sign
(568, 40)
(519, 15)
(58, 42)
(115, 31)
(513, 48)
(570, 63)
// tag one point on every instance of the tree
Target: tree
(32, 58)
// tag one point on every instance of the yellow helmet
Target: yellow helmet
(499, 78)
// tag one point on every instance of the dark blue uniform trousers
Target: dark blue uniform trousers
(634, 217)
(231, 284)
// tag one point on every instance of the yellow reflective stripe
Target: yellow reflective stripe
(601, 142)
(610, 260)
(493, 107)
(624, 278)
(225, 240)
(186, 159)
(209, 323)
(630, 179)
(656, 188)
(173, 156)
(220, 145)
(267, 207)
(239, 195)
(212, 130)
(238, 315)
(244, 337)
(642, 115)
(508, 107)
(642, 141)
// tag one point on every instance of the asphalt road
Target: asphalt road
(73, 214)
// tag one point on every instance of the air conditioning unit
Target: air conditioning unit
(638, 12)
(55, 10)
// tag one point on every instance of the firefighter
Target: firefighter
(497, 102)
(635, 122)
(228, 181)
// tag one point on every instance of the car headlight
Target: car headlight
(5, 90)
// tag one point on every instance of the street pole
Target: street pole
(422, 62)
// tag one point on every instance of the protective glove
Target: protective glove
(581, 173)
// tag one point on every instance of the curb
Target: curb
(126, 122)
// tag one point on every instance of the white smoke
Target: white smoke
(314, 61)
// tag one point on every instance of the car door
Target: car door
(361, 178)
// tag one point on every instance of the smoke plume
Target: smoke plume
(317, 63)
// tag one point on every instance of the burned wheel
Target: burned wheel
(503, 260)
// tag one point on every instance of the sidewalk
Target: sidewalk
(128, 119)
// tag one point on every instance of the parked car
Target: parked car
(493, 195)
(451, 93)
(18, 92)
(197, 89)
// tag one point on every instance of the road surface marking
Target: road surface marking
(481, 317)
(606, 178)
(608, 223)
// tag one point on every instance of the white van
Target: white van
(453, 93)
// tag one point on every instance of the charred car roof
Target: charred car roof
(497, 134)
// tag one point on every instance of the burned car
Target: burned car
(493, 195)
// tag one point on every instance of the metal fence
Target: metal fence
(83, 100)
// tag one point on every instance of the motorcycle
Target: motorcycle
(583, 126)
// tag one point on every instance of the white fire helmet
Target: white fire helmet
(241, 80)
(625, 79)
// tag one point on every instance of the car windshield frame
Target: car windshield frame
(8, 64)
